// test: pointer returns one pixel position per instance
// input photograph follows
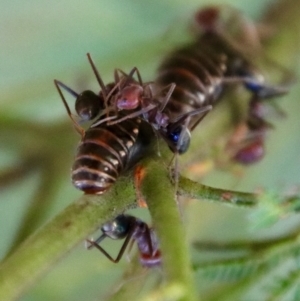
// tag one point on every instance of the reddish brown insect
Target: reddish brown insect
(105, 150)
(201, 72)
(131, 229)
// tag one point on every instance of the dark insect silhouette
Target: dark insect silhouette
(201, 71)
(105, 150)
(140, 99)
(250, 136)
(131, 229)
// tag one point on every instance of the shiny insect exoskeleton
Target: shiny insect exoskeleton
(131, 229)
(105, 150)
(137, 99)
(140, 99)
(89, 105)
(201, 72)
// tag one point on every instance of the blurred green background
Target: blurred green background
(43, 40)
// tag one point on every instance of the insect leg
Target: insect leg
(60, 85)
(97, 74)
(104, 252)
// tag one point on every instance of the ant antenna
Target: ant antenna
(98, 77)
(59, 84)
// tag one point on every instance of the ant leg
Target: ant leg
(100, 81)
(171, 88)
(112, 91)
(203, 111)
(60, 85)
(131, 73)
(122, 250)
(247, 142)
(117, 77)
(148, 88)
(271, 91)
(138, 74)
(101, 121)
(120, 78)
(98, 77)
(134, 114)
(97, 241)
(130, 245)
(256, 86)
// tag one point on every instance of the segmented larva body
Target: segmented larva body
(105, 151)
(200, 71)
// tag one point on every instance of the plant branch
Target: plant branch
(159, 194)
(41, 250)
(189, 188)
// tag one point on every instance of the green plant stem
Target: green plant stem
(246, 245)
(159, 193)
(189, 188)
(41, 250)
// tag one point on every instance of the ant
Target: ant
(249, 137)
(90, 105)
(132, 229)
(127, 94)
(105, 151)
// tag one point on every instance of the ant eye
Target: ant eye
(253, 86)
(174, 135)
(121, 225)
(88, 105)
(179, 140)
(117, 228)
(185, 138)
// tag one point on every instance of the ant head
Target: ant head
(177, 134)
(178, 138)
(129, 97)
(117, 228)
(207, 18)
(88, 105)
